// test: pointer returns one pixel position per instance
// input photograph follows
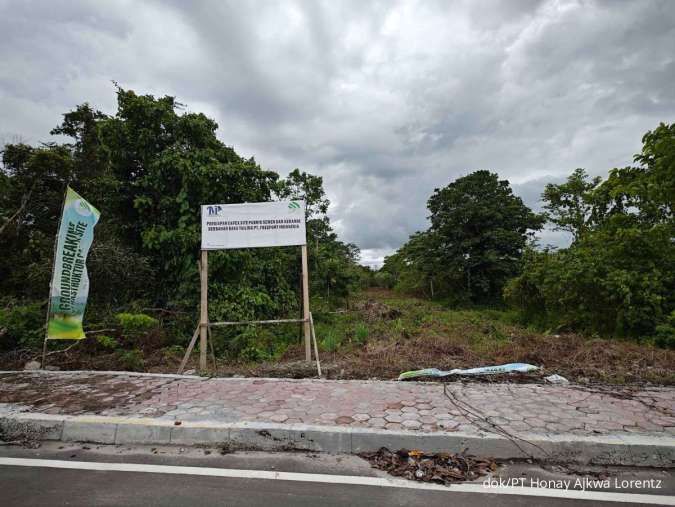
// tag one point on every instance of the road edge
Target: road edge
(616, 449)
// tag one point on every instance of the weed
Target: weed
(361, 333)
(21, 325)
(107, 342)
(131, 360)
(136, 323)
(331, 342)
(172, 352)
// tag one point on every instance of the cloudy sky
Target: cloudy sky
(387, 100)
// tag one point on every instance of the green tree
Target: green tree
(478, 232)
(148, 168)
(569, 205)
(618, 277)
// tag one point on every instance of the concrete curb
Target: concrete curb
(618, 449)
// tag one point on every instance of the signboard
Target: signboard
(70, 283)
(253, 225)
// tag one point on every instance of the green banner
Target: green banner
(70, 283)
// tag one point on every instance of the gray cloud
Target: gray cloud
(385, 100)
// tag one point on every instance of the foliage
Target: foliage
(256, 344)
(107, 342)
(618, 277)
(570, 205)
(21, 325)
(478, 232)
(330, 342)
(361, 333)
(131, 360)
(135, 323)
(664, 336)
(148, 167)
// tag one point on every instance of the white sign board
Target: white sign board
(252, 225)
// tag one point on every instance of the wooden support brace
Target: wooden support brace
(316, 347)
(189, 350)
(244, 322)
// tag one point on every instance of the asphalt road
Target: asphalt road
(172, 484)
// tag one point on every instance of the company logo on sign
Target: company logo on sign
(214, 210)
(293, 205)
(82, 208)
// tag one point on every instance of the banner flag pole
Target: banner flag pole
(51, 280)
(69, 283)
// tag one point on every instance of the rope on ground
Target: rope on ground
(625, 394)
(475, 417)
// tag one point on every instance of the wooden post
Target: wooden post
(203, 309)
(316, 346)
(305, 304)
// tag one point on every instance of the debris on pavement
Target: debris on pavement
(21, 433)
(556, 379)
(440, 467)
(485, 370)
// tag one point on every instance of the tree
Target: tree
(148, 168)
(646, 191)
(478, 232)
(569, 205)
(618, 277)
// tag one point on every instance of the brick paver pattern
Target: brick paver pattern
(417, 406)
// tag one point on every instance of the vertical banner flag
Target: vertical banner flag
(70, 283)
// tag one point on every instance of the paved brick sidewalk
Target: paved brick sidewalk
(417, 406)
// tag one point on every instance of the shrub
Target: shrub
(330, 342)
(133, 324)
(665, 333)
(616, 281)
(173, 352)
(22, 326)
(253, 353)
(255, 344)
(361, 333)
(131, 360)
(107, 342)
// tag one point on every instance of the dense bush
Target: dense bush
(21, 325)
(665, 333)
(148, 168)
(618, 276)
(618, 281)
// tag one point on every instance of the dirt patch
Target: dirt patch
(373, 310)
(440, 467)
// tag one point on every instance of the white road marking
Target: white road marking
(340, 479)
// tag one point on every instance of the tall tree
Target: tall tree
(570, 204)
(480, 230)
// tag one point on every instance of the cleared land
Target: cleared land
(383, 333)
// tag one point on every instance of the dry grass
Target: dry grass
(427, 335)
(384, 334)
